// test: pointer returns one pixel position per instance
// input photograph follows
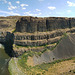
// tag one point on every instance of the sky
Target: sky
(38, 8)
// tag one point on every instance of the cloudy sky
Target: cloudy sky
(42, 8)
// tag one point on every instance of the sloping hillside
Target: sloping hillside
(60, 61)
(65, 49)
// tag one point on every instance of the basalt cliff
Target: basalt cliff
(34, 24)
(39, 34)
(37, 41)
(34, 33)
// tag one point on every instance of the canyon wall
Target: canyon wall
(35, 33)
(7, 39)
(64, 50)
(36, 24)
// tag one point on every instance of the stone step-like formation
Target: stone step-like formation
(64, 50)
(40, 38)
(37, 39)
(20, 50)
(36, 31)
(37, 42)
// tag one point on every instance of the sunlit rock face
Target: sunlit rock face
(38, 31)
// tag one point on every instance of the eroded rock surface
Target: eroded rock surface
(35, 31)
(34, 24)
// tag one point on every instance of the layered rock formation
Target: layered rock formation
(37, 32)
(64, 50)
(8, 24)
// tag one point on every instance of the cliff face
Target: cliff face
(57, 23)
(31, 24)
(7, 39)
(64, 50)
(34, 24)
(8, 23)
(36, 32)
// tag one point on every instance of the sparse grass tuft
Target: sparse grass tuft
(14, 30)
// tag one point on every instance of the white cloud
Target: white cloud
(70, 3)
(9, 3)
(30, 14)
(41, 0)
(22, 5)
(68, 11)
(38, 10)
(23, 8)
(18, 2)
(11, 7)
(9, 13)
(51, 7)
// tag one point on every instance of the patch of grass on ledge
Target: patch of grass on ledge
(45, 66)
(14, 30)
(45, 45)
(20, 46)
(64, 36)
(31, 46)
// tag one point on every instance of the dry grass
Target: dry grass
(7, 24)
(60, 68)
(30, 61)
(26, 66)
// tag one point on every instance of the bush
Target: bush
(38, 74)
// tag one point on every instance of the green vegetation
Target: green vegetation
(74, 71)
(14, 30)
(38, 69)
(45, 45)
(65, 35)
(33, 70)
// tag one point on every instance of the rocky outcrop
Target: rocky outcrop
(64, 50)
(8, 24)
(6, 36)
(34, 24)
(7, 39)
(33, 42)
(40, 38)
(57, 23)
(31, 24)
(20, 50)
(35, 31)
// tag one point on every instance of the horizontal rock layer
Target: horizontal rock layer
(20, 50)
(41, 38)
(64, 50)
